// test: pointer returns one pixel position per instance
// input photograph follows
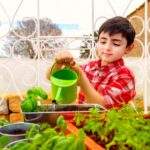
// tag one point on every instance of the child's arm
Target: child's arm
(90, 94)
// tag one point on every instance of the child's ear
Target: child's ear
(129, 48)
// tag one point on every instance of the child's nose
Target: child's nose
(108, 46)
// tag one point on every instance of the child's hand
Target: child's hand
(65, 58)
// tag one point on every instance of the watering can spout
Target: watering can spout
(54, 101)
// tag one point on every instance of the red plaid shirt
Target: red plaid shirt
(115, 82)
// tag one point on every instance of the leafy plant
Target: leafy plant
(119, 129)
(34, 95)
(4, 122)
(3, 141)
(51, 138)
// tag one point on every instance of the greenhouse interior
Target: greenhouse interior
(75, 75)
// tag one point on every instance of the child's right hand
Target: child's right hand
(65, 58)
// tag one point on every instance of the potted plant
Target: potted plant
(16, 131)
(33, 112)
(34, 96)
(118, 129)
(50, 138)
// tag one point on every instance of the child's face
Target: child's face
(111, 48)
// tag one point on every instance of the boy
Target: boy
(106, 81)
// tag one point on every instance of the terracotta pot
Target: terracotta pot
(90, 144)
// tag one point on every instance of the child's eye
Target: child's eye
(116, 44)
(102, 42)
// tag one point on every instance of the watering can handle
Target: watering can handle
(52, 67)
(67, 67)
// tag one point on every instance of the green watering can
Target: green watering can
(64, 85)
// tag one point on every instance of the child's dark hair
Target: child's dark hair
(119, 25)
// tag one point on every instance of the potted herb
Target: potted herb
(34, 95)
(50, 138)
(49, 113)
(120, 129)
(17, 131)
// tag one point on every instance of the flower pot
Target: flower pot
(90, 144)
(15, 142)
(16, 131)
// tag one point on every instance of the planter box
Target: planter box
(90, 144)
(50, 113)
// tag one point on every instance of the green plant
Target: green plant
(4, 122)
(34, 95)
(119, 129)
(51, 138)
(4, 141)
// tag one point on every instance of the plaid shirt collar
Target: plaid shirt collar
(108, 67)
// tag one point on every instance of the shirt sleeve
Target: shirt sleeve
(119, 91)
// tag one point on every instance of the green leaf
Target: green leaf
(4, 140)
(37, 91)
(33, 101)
(21, 146)
(64, 143)
(59, 121)
(64, 126)
(4, 122)
(27, 106)
(81, 134)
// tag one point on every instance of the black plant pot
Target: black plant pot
(16, 131)
(15, 142)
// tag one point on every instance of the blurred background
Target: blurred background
(33, 32)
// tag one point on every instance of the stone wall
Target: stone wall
(10, 107)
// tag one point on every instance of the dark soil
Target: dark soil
(16, 132)
(102, 143)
